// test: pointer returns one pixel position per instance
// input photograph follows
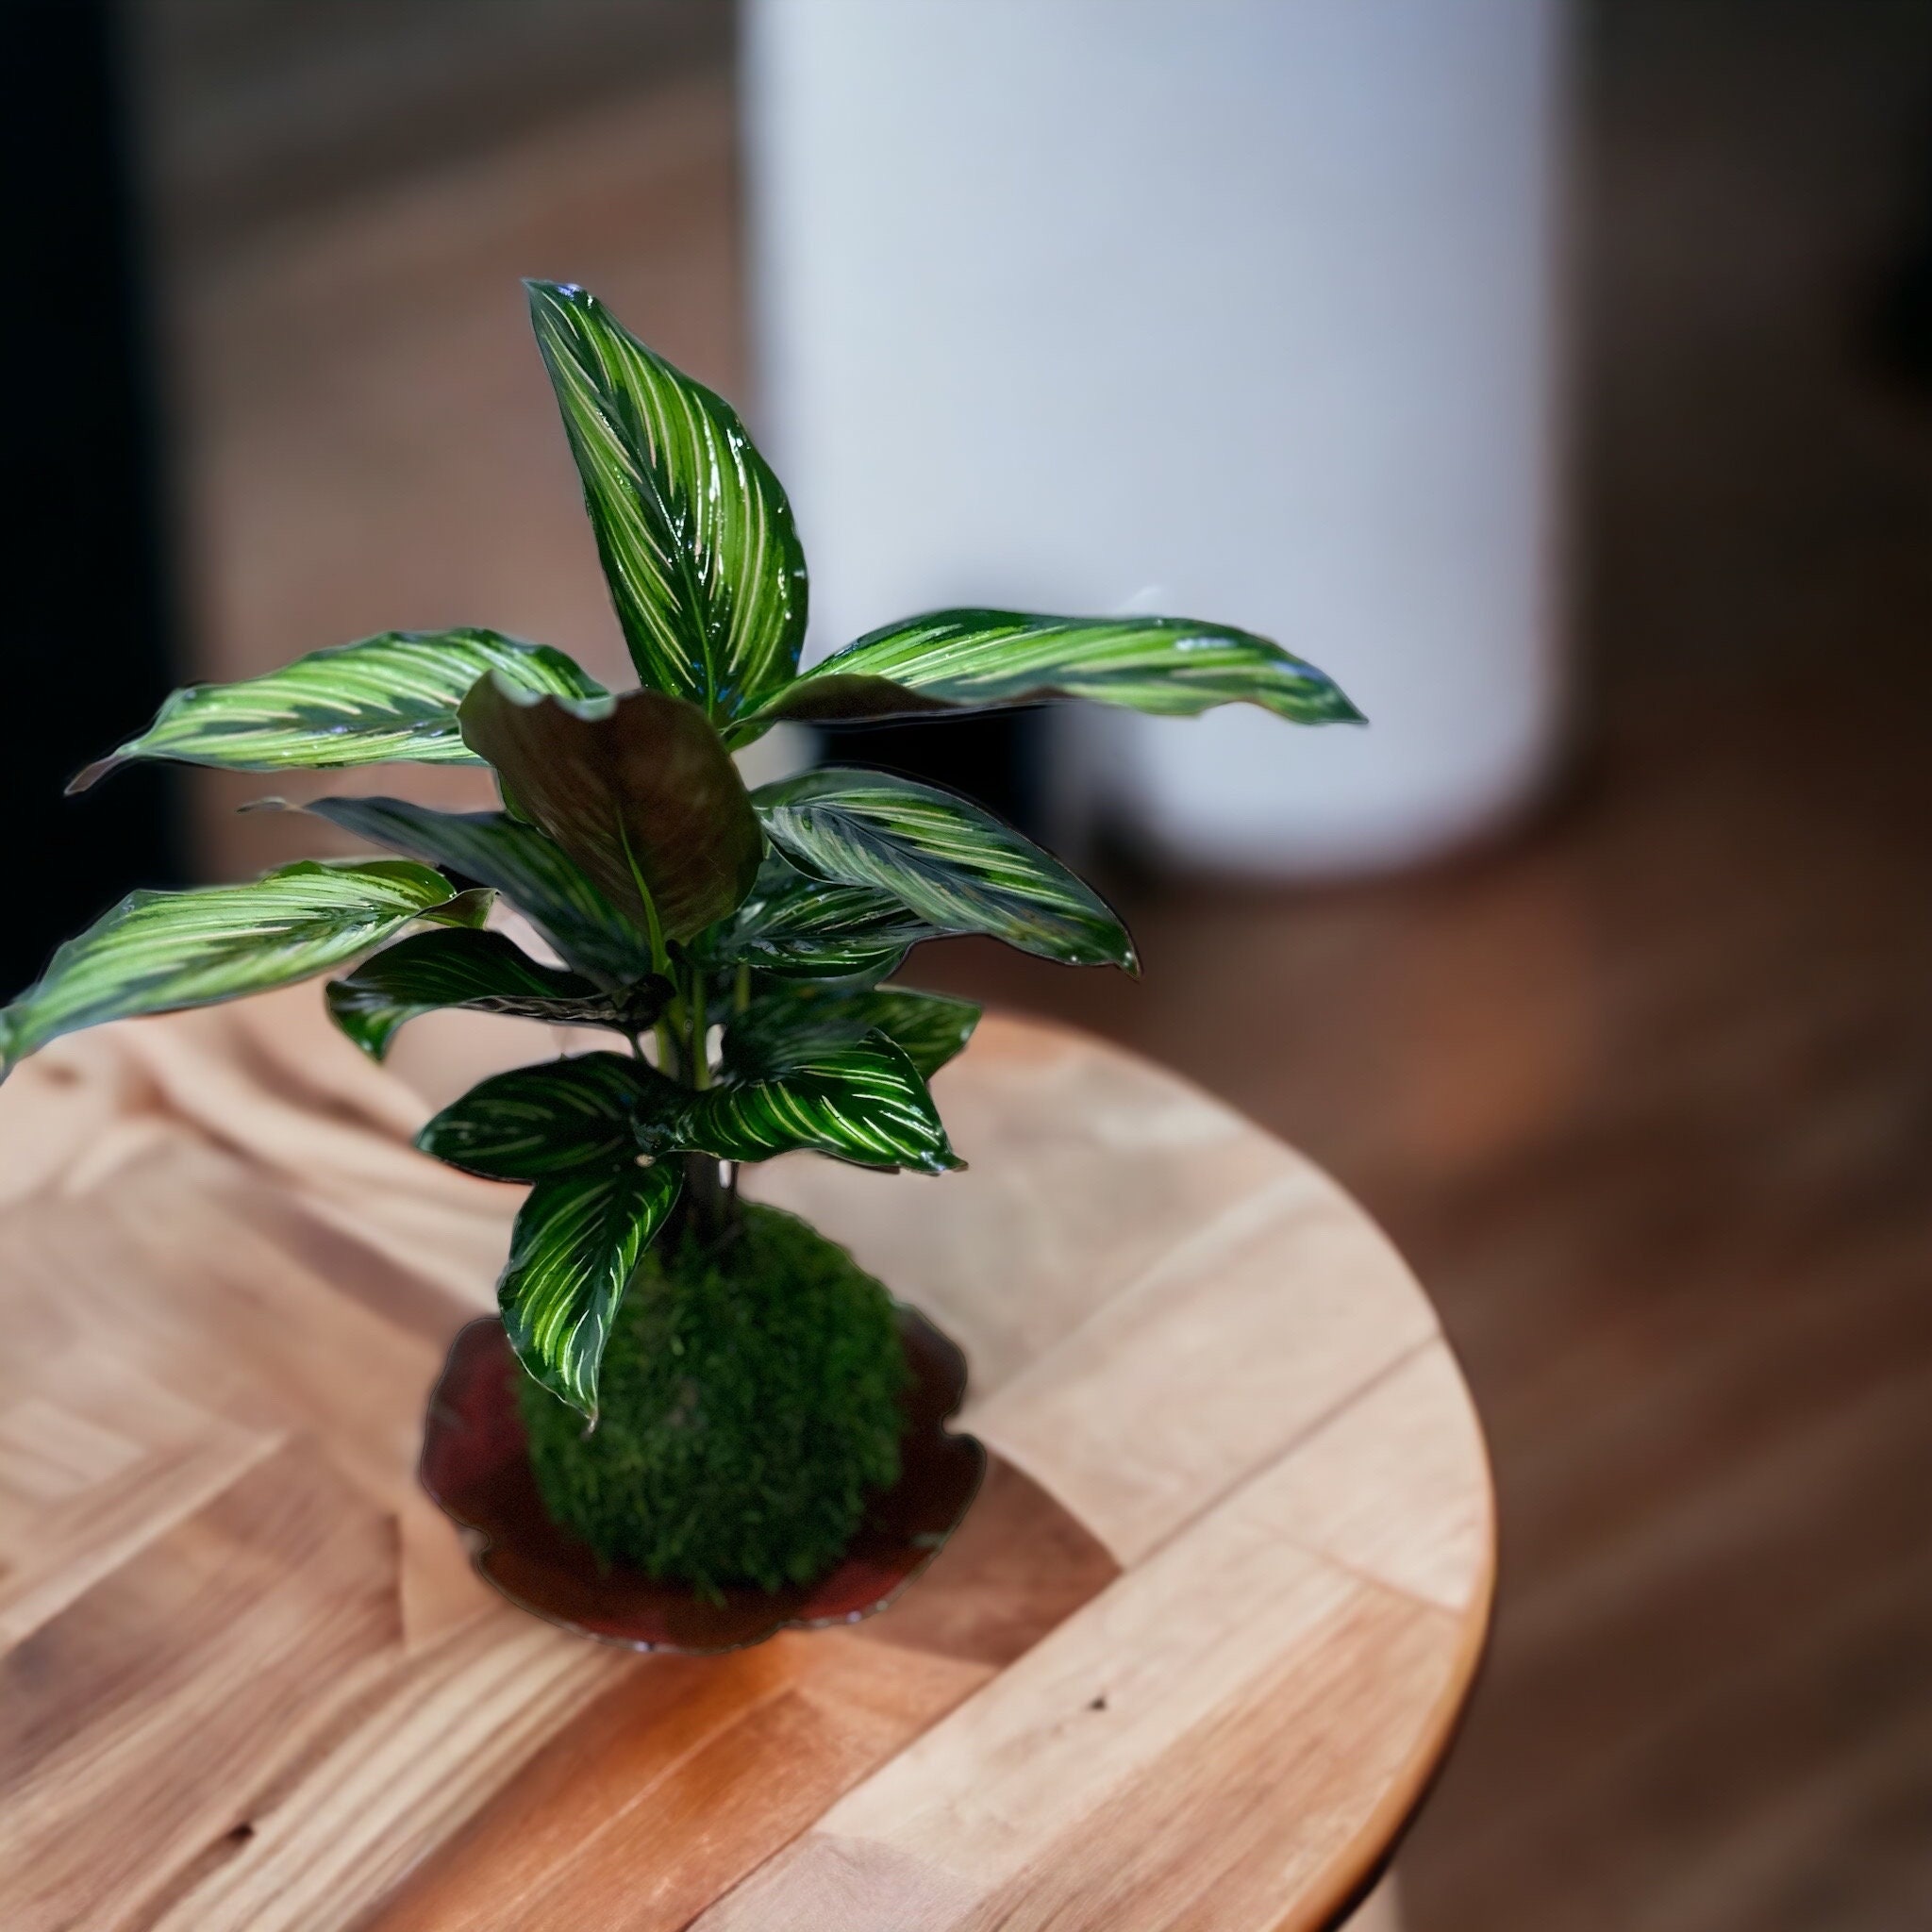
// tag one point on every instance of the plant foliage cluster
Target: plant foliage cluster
(739, 944)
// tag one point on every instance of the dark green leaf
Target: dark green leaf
(793, 1018)
(704, 565)
(576, 1244)
(157, 952)
(483, 970)
(539, 878)
(532, 1124)
(639, 790)
(953, 659)
(468, 909)
(864, 1103)
(792, 923)
(388, 698)
(949, 861)
(928, 1027)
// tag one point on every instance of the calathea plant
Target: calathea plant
(737, 944)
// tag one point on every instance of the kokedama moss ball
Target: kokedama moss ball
(748, 1407)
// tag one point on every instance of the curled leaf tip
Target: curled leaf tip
(591, 709)
(519, 695)
(270, 804)
(90, 776)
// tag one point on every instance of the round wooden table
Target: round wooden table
(1191, 1661)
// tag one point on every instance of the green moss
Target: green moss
(748, 1405)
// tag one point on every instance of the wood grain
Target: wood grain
(1189, 1662)
(1201, 1744)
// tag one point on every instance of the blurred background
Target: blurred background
(1560, 378)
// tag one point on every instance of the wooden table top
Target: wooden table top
(1190, 1662)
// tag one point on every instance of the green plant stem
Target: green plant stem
(710, 1204)
(740, 1002)
(700, 1026)
(661, 956)
(667, 1047)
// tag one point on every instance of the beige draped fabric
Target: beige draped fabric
(271, 1086)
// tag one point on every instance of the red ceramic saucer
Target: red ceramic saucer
(475, 1466)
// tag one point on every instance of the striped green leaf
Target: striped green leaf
(576, 1244)
(387, 697)
(865, 1103)
(157, 952)
(544, 883)
(639, 790)
(594, 1109)
(794, 1018)
(947, 859)
(482, 971)
(794, 924)
(953, 659)
(928, 1029)
(696, 537)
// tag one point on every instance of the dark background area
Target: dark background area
(90, 598)
(1644, 1094)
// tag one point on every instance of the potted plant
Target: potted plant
(712, 1395)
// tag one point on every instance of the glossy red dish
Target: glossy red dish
(475, 1468)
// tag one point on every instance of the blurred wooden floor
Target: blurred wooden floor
(1646, 1095)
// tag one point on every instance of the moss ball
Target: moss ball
(748, 1407)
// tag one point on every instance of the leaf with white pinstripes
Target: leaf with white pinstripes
(533, 1124)
(793, 924)
(794, 1017)
(865, 1103)
(696, 538)
(947, 660)
(372, 702)
(575, 1248)
(535, 873)
(483, 972)
(947, 860)
(158, 951)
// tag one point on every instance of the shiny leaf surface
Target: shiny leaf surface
(795, 1017)
(157, 952)
(532, 1124)
(387, 697)
(952, 660)
(639, 790)
(696, 537)
(482, 971)
(947, 859)
(864, 1103)
(575, 1245)
(542, 881)
(792, 923)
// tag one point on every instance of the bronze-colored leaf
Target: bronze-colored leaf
(639, 790)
